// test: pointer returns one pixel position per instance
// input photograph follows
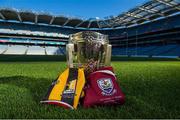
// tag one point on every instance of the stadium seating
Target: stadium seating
(31, 50)
(16, 49)
(173, 52)
(149, 51)
(32, 33)
(36, 30)
(164, 24)
(152, 33)
(35, 50)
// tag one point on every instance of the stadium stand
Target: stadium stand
(12, 49)
(150, 30)
(149, 51)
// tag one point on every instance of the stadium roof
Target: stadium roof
(149, 11)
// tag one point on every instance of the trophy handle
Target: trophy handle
(108, 55)
(69, 54)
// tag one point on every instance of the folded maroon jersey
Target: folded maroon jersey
(103, 89)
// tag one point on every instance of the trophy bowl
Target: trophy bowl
(88, 49)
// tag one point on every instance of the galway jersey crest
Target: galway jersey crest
(106, 85)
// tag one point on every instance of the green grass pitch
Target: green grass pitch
(152, 90)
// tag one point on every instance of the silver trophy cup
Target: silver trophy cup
(88, 49)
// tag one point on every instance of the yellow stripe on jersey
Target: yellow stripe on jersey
(79, 86)
(59, 87)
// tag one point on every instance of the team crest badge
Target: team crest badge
(106, 85)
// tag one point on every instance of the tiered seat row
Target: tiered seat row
(165, 50)
(30, 50)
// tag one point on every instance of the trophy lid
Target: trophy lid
(89, 36)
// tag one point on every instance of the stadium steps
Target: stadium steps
(59, 51)
(45, 53)
(3, 49)
(51, 50)
(45, 50)
(25, 53)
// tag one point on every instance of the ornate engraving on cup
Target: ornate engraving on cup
(88, 48)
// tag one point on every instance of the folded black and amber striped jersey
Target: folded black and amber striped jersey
(66, 90)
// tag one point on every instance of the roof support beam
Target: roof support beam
(79, 24)
(52, 20)
(136, 16)
(121, 20)
(89, 24)
(66, 21)
(98, 24)
(2, 16)
(125, 23)
(168, 4)
(36, 19)
(153, 11)
(132, 15)
(118, 20)
(110, 25)
(19, 17)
